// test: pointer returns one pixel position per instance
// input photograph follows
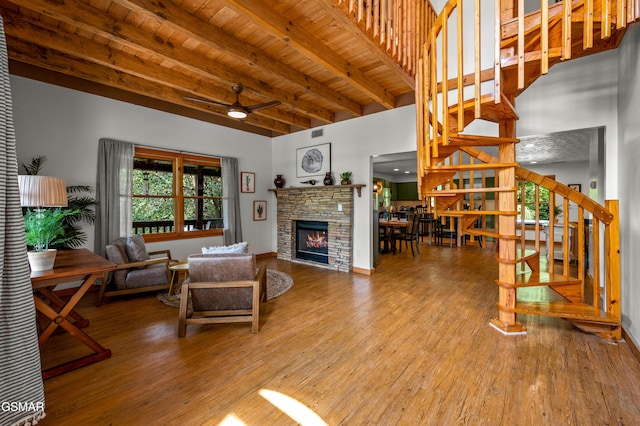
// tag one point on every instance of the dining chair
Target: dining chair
(410, 235)
(446, 230)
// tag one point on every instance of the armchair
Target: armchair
(136, 270)
(224, 288)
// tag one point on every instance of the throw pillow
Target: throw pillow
(240, 248)
(136, 250)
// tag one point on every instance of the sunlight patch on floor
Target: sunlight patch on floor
(232, 420)
(293, 408)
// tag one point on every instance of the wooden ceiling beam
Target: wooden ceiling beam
(311, 47)
(31, 54)
(87, 18)
(213, 37)
(38, 33)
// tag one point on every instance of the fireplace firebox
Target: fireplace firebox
(312, 241)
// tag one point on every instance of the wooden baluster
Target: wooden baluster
(605, 19)
(445, 81)
(477, 61)
(581, 271)
(544, 36)
(612, 253)
(587, 38)
(566, 30)
(521, 44)
(460, 70)
(595, 235)
(566, 237)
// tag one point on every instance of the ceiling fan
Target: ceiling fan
(236, 109)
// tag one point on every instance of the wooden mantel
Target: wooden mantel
(358, 187)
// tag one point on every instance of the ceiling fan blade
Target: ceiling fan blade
(204, 101)
(262, 106)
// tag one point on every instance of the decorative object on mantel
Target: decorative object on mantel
(313, 160)
(310, 181)
(346, 178)
(279, 181)
(247, 182)
(328, 179)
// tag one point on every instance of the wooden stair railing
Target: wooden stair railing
(393, 25)
(459, 177)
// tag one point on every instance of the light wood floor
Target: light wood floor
(410, 345)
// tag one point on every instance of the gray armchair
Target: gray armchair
(223, 288)
(137, 270)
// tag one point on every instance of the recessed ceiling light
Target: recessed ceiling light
(396, 170)
(533, 162)
(407, 171)
(529, 145)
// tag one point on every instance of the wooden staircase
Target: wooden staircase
(477, 178)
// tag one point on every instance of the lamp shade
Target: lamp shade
(42, 191)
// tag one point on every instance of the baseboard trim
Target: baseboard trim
(267, 254)
(632, 344)
(363, 271)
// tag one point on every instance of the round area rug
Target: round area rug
(277, 284)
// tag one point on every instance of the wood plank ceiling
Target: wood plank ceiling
(308, 55)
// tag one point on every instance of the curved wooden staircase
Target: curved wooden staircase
(477, 179)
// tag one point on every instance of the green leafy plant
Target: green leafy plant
(45, 227)
(79, 209)
(345, 175)
(557, 211)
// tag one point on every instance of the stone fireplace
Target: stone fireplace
(332, 205)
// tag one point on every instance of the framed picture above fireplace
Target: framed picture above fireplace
(259, 210)
(313, 160)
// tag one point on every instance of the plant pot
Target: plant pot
(345, 182)
(42, 260)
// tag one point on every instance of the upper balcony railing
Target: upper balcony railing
(399, 27)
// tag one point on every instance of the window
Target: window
(176, 195)
(530, 200)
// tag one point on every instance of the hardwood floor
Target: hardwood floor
(410, 345)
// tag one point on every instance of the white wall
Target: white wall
(578, 94)
(65, 126)
(352, 144)
(629, 176)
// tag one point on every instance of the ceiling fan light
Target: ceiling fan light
(236, 113)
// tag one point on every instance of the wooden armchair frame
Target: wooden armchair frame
(259, 294)
(153, 261)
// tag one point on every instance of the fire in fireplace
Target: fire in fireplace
(312, 241)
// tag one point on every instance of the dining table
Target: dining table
(390, 225)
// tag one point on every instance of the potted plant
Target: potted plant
(557, 211)
(79, 209)
(346, 178)
(43, 228)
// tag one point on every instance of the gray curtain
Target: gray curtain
(113, 192)
(231, 201)
(21, 377)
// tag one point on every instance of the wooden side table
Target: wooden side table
(181, 269)
(71, 265)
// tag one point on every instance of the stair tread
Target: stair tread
(567, 310)
(477, 166)
(477, 140)
(540, 278)
(449, 192)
